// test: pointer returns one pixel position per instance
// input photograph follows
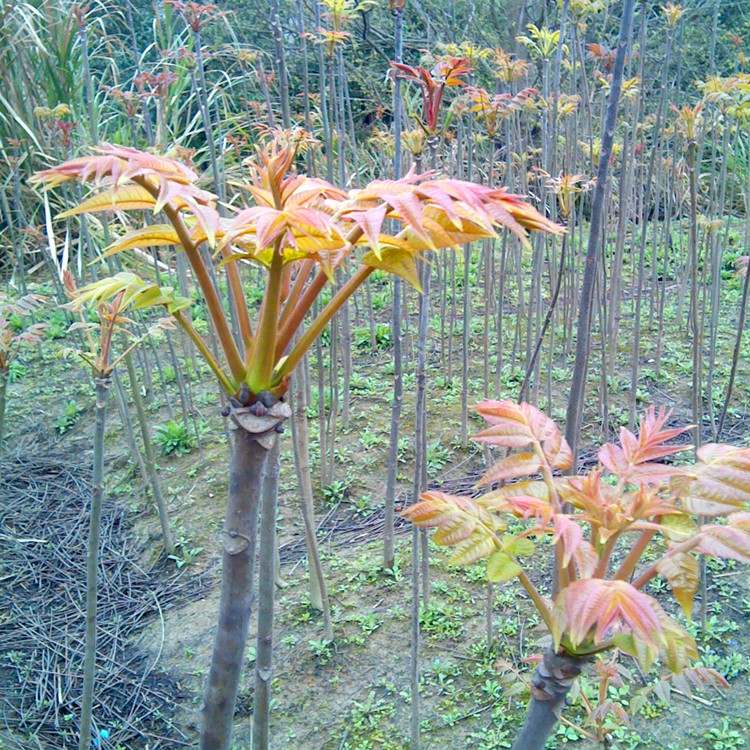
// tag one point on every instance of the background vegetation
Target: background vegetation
(204, 84)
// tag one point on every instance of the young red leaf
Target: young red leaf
(718, 484)
(522, 499)
(731, 541)
(568, 533)
(454, 530)
(518, 425)
(604, 709)
(586, 559)
(701, 676)
(511, 467)
(438, 508)
(594, 608)
(634, 458)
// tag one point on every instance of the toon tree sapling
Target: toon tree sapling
(601, 525)
(298, 230)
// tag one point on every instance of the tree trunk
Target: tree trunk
(578, 384)
(92, 563)
(301, 442)
(4, 377)
(398, 386)
(127, 426)
(266, 588)
(414, 712)
(550, 685)
(737, 341)
(148, 449)
(547, 321)
(246, 470)
(322, 429)
(280, 63)
(467, 299)
(420, 417)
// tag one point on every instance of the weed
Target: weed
(363, 340)
(369, 622)
(335, 492)
(438, 456)
(71, 412)
(442, 621)
(16, 371)
(174, 437)
(730, 665)
(369, 439)
(566, 734)
(404, 448)
(343, 455)
(723, 737)
(452, 591)
(627, 739)
(184, 553)
(716, 629)
(56, 325)
(364, 385)
(494, 738)
(322, 651)
(367, 720)
(362, 505)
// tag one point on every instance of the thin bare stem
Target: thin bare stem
(609, 547)
(536, 597)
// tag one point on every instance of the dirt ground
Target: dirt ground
(353, 693)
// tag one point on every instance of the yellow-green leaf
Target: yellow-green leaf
(120, 198)
(476, 547)
(518, 546)
(679, 648)
(641, 651)
(136, 293)
(682, 573)
(176, 304)
(148, 236)
(396, 261)
(501, 567)
(678, 526)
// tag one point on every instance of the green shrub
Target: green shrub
(71, 412)
(383, 338)
(57, 325)
(174, 437)
(335, 492)
(16, 371)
